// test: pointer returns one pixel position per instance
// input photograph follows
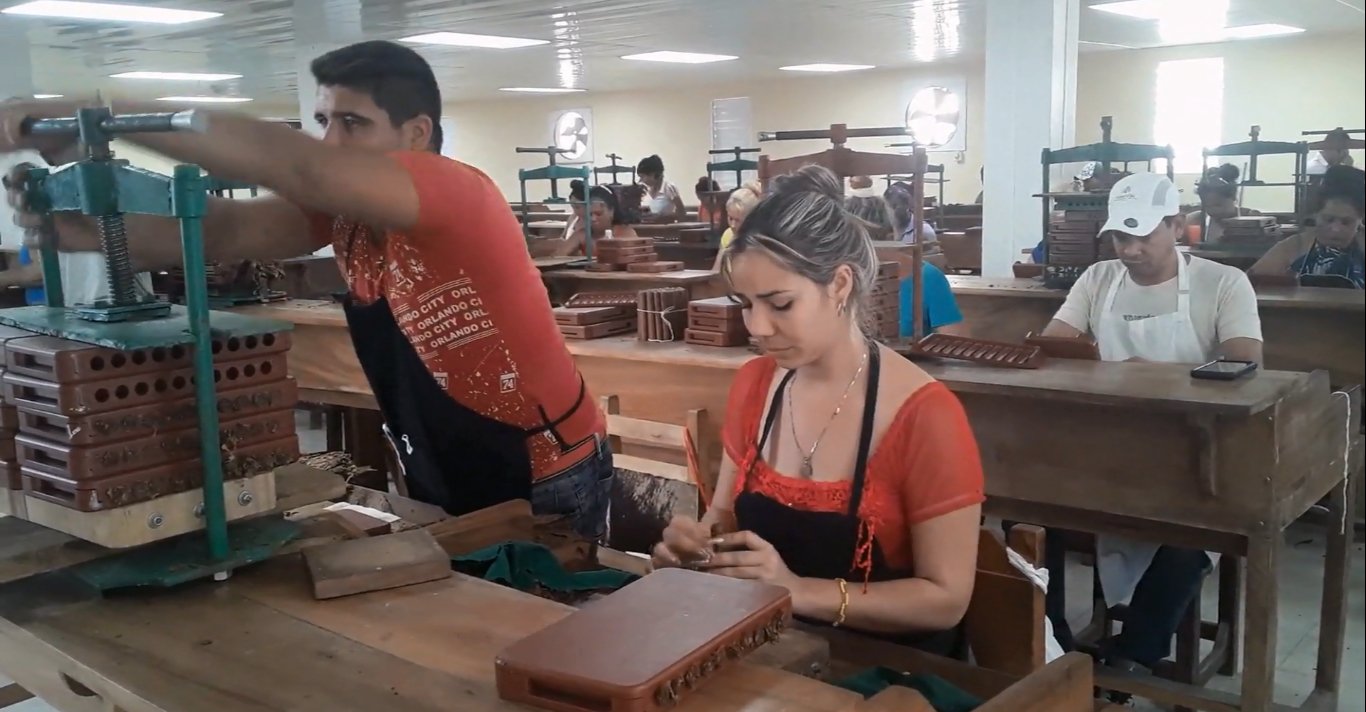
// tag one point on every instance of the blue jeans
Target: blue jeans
(582, 492)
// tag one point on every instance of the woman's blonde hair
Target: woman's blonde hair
(744, 198)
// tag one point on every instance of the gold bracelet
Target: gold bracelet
(844, 603)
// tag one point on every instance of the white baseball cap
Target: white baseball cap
(1139, 202)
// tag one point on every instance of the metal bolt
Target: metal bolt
(199, 511)
(244, 499)
(155, 521)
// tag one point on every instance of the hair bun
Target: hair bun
(809, 179)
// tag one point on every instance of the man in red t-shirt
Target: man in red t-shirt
(448, 315)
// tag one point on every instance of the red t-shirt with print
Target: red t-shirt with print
(465, 292)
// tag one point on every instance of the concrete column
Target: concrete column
(1031, 83)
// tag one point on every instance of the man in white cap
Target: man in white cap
(1155, 304)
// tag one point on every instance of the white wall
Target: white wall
(676, 124)
(1284, 85)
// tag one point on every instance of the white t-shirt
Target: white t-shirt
(84, 280)
(1222, 302)
(662, 203)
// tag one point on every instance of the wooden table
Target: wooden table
(701, 284)
(1304, 328)
(545, 264)
(261, 643)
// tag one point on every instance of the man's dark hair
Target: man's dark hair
(397, 79)
(650, 166)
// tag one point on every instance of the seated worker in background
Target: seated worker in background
(940, 309)
(1335, 152)
(851, 474)
(861, 186)
(741, 201)
(662, 201)
(709, 200)
(1218, 192)
(451, 323)
(1335, 245)
(84, 277)
(981, 178)
(605, 213)
(898, 196)
(1153, 304)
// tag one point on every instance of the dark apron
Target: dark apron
(822, 544)
(451, 456)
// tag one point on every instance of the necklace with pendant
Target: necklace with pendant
(806, 469)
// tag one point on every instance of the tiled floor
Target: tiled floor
(1301, 585)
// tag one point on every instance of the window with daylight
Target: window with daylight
(1190, 108)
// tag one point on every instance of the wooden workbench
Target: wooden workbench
(1136, 449)
(261, 643)
(1304, 328)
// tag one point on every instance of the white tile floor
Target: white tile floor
(1301, 585)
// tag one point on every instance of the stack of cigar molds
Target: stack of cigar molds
(97, 429)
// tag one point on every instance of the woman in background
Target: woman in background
(741, 201)
(663, 203)
(939, 308)
(1334, 245)
(1218, 192)
(851, 475)
(709, 200)
(898, 196)
(606, 213)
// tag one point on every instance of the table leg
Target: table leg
(1259, 642)
(1333, 611)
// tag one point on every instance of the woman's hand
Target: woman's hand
(744, 555)
(686, 542)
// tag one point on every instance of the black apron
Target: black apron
(451, 456)
(823, 544)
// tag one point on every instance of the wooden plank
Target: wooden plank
(375, 564)
(1062, 686)
(1259, 641)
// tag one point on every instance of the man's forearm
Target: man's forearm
(30, 275)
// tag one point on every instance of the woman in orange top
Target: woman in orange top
(852, 477)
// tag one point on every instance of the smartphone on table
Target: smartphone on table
(1222, 370)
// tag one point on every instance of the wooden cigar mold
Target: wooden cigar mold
(654, 267)
(613, 254)
(716, 307)
(93, 495)
(146, 420)
(618, 243)
(886, 285)
(583, 316)
(65, 361)
(603, 299)
(991, 353)
(715, 338)
(95, 462)
(604, 267)
(662, 314)
(597, 659)
(725, 326)
(598, 331)
(617, 254)
(888, 269)
(126, 392)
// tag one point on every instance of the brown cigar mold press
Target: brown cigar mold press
(132, 420)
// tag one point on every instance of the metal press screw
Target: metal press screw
(199, 511)
(244, 499)
(155, 521)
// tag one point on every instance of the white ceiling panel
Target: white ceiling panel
(260, 39)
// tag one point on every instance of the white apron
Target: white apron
(1169, 338)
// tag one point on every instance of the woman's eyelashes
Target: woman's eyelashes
(781, 306)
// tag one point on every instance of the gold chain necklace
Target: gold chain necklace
(806, 470)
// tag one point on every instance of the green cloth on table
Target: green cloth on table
(941, 695)
(524, 565)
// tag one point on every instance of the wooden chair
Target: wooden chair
(1065, 685)
(649, 492)
(1005, 620)
(1187, 665)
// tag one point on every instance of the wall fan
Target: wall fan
(933, 117)
(571, 133)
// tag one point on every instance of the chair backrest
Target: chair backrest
(1005, 620)
(649, 492)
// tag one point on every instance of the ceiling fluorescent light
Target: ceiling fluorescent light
(541, 90)
(47, 96)
(109, 12)
(819, 67)
(1248, 32)
(205, 99)
(461, 39)
(177, 76)
(680, 57)
(1140, 9)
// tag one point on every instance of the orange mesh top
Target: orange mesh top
(926, 465)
